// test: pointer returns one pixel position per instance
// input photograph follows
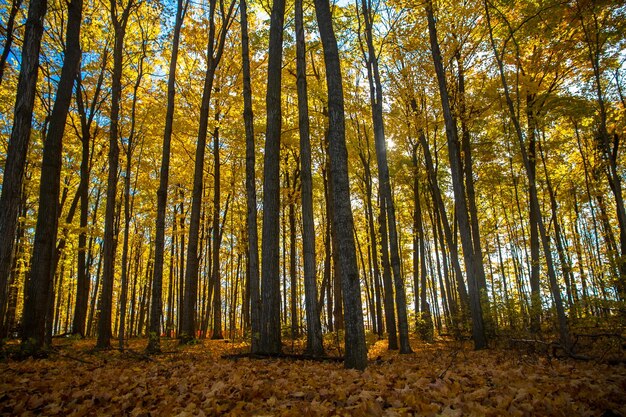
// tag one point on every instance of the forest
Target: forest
(410, 189)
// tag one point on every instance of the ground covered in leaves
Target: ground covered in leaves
(438, 379)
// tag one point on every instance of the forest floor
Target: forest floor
(438, 379)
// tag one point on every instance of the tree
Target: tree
(119, 18)
(215, 49)
(270, 282)
(473, 265)
(38, 298)
(159, 242)
(554, 287)
(356, 351)
(251, 207)
(86, 121)
(313, 324)
(388, 211)
(18, 143)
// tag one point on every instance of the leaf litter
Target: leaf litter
(437, 380)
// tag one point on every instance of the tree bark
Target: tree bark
(270, 342)
(216, 276)
(42, 263)
(474, 266)
(214, 55)
(388, 216)
(154, 344)
(356, 351)
(110, 235)
(251, 203)
(18, 142)
(314, 344)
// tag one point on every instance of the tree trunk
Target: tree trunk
(216, 276)
(110, 238)
(314, 344)
(42, 264)
(251, 204)
(82, 281)
(474, 267)
(128, 209)
(214, 54)
(419, 258)
(356, 351)
(18, 142)
(154, 344)
(388, 216)
(270, 278)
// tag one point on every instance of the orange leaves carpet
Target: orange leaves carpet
(437, 379)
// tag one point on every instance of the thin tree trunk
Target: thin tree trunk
(82, 285)
(110, 238)
(216, 276)
(420, 260)
(270, 279)
(388, 216)
(474, 267)
(154, 344)
(314, 344)
(251, 205)
(127, 199)
(214, 54)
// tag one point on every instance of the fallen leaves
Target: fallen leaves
(195, 381)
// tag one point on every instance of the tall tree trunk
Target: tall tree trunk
(251, 205)
(270, 278)
(474, 267)
(110, 236)
(214, 54)
(314, 343)
(96, 290)
(86, 120)
(373, 246)
(439, 207)
(468, 172)
(18, 142)
(356, 351)
(535, 285)
(188, 325)
(293, 286)
(217, 292)
(326, 280)
(42, 264)
(128, 200)
(390, 313)
(154, 344)
(419, 257)
(388, 216)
